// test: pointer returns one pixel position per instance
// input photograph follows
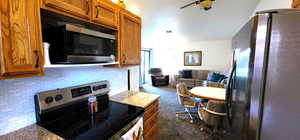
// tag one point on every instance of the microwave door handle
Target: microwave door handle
(86, 31)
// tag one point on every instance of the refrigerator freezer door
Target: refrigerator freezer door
(281, 114)
(259, 69)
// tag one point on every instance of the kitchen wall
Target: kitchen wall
(17, 95)
(216, 56)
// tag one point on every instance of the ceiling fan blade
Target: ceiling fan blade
(192, 3)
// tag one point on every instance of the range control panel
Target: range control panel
(50, 99)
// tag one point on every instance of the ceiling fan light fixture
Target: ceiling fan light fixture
(206, 4)
(169, 31)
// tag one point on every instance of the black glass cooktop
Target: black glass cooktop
(74, 122)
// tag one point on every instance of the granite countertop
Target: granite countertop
(139, 99)
(32, 132)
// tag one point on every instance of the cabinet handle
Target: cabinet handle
(37, 59)
(124, 58)
(97, 11)
(88, 7)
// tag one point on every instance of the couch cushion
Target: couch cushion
(201, 74)
(194, 74)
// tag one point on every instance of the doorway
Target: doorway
(145, 66)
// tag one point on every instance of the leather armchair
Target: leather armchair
(157, 77)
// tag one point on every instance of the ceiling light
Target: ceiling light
(205, 4)
(169, 31)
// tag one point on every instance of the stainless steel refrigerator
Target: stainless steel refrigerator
(263, 95)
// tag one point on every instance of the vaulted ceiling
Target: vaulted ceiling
(193, 24)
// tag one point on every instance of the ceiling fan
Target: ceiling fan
(205, 4)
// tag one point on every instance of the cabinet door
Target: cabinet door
(130, 26)
(21, 45)
(79, 8)
(296, 3)
(105, 12)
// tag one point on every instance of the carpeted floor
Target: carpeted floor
(172, 127)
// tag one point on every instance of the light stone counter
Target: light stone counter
(139, 99)
(32, 132)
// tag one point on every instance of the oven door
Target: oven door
(88, 46)
(135, 129)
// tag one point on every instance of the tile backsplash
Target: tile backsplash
(17, 95)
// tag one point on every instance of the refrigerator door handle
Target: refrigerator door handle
(229, 95)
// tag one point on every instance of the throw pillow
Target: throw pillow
(222, 78)
(215, 77)
(187, 74)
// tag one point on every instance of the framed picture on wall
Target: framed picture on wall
(193, 58)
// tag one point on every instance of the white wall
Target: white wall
(273, 4)
(216, 55)
(134, 78)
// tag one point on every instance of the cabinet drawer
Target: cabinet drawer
(296, 3)
(152, 121)
(152, 134)
(153, 108)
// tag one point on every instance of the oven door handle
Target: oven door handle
(90, 32)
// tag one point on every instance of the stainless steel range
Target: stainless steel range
(67, 113)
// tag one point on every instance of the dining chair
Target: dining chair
(212, 115)
(186, 100)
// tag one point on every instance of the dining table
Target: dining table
(210, 93)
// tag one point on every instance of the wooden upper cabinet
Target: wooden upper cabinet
(130, 37)
(79, 8)
(296, 4)
(20, 39)
(105, 12)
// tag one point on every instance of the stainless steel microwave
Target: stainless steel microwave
(70, 44)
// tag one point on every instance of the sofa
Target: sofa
(193, 78)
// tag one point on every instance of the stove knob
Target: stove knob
(58, 97)
(49, 100)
